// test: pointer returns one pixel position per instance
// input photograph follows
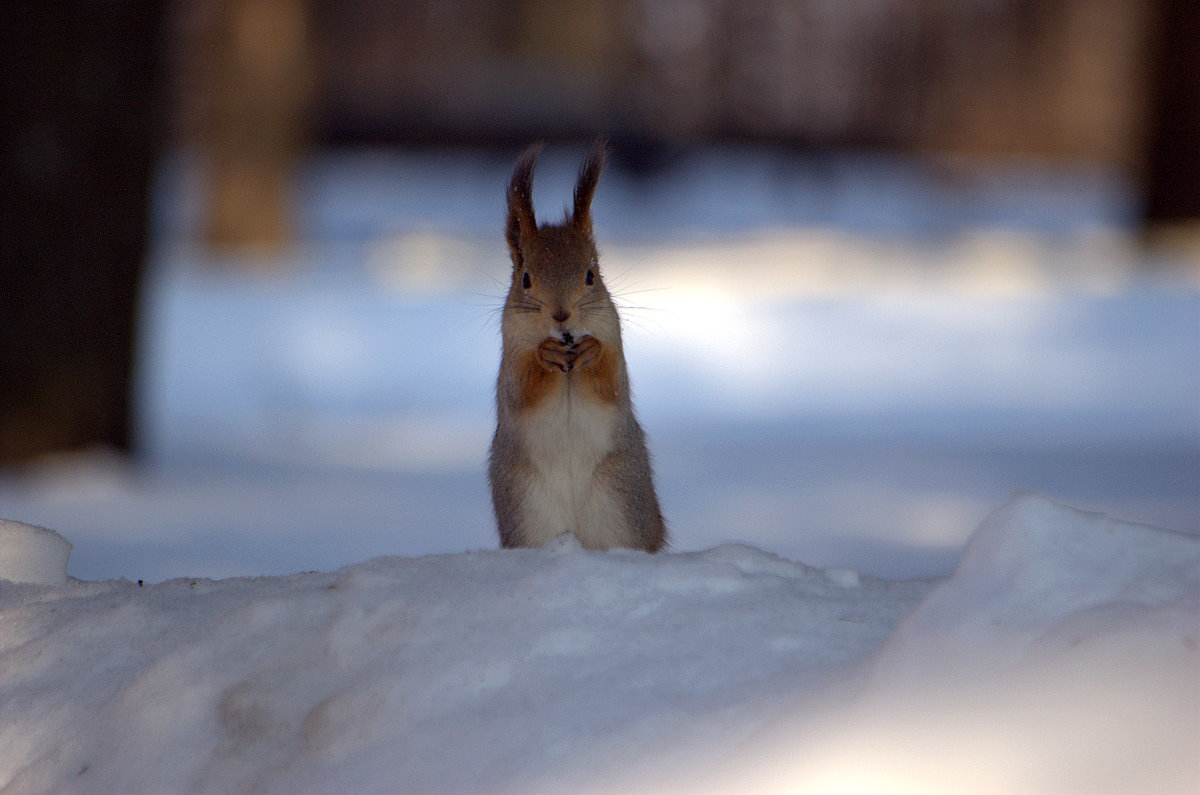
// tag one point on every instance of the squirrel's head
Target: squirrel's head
(556, 269)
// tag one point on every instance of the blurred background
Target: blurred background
(882, 263)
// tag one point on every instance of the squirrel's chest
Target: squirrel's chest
(568, 435)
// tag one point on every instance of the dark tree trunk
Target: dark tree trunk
(1173, 168)
(258, 61)
(80, 92)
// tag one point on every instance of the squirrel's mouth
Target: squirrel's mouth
(567, 336)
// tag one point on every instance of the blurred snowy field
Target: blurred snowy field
(845, 361)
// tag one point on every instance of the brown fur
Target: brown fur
(537, 380)
(600, 376)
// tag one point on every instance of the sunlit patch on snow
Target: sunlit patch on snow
(424, 263)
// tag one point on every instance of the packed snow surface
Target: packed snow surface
(32, 554)
(1060, 656)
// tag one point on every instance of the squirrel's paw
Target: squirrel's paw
(587, 352)
(554, 355)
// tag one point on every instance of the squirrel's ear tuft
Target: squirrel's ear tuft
(585, 185)
(521, 221)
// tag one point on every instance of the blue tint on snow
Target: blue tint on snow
(310, 416)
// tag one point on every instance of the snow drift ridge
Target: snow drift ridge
(1060, 655)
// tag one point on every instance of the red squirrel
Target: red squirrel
(568, 455)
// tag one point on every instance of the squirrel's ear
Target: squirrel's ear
(585, 186)
(521, 221)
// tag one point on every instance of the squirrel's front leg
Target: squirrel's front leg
(596, 364)
(540, 371)
(554, 355)
(589, 361)
(587, 352)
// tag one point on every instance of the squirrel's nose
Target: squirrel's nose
(560, 315)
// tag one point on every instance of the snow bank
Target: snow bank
(1061, 656)
(32, 554)
(482, 671)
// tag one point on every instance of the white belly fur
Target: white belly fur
(566, 440)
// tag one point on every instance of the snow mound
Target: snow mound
(1042, 576)
(1061, 656)
(32, 554)
(482, 671)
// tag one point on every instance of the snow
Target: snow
(1060, 656)
(32, 554)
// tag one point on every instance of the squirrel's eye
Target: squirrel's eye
(525, 281)
(591, 279)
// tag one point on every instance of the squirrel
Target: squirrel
(568, 455)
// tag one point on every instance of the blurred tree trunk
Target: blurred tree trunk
(1172, 184)
(259, 91)
(80, 132)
